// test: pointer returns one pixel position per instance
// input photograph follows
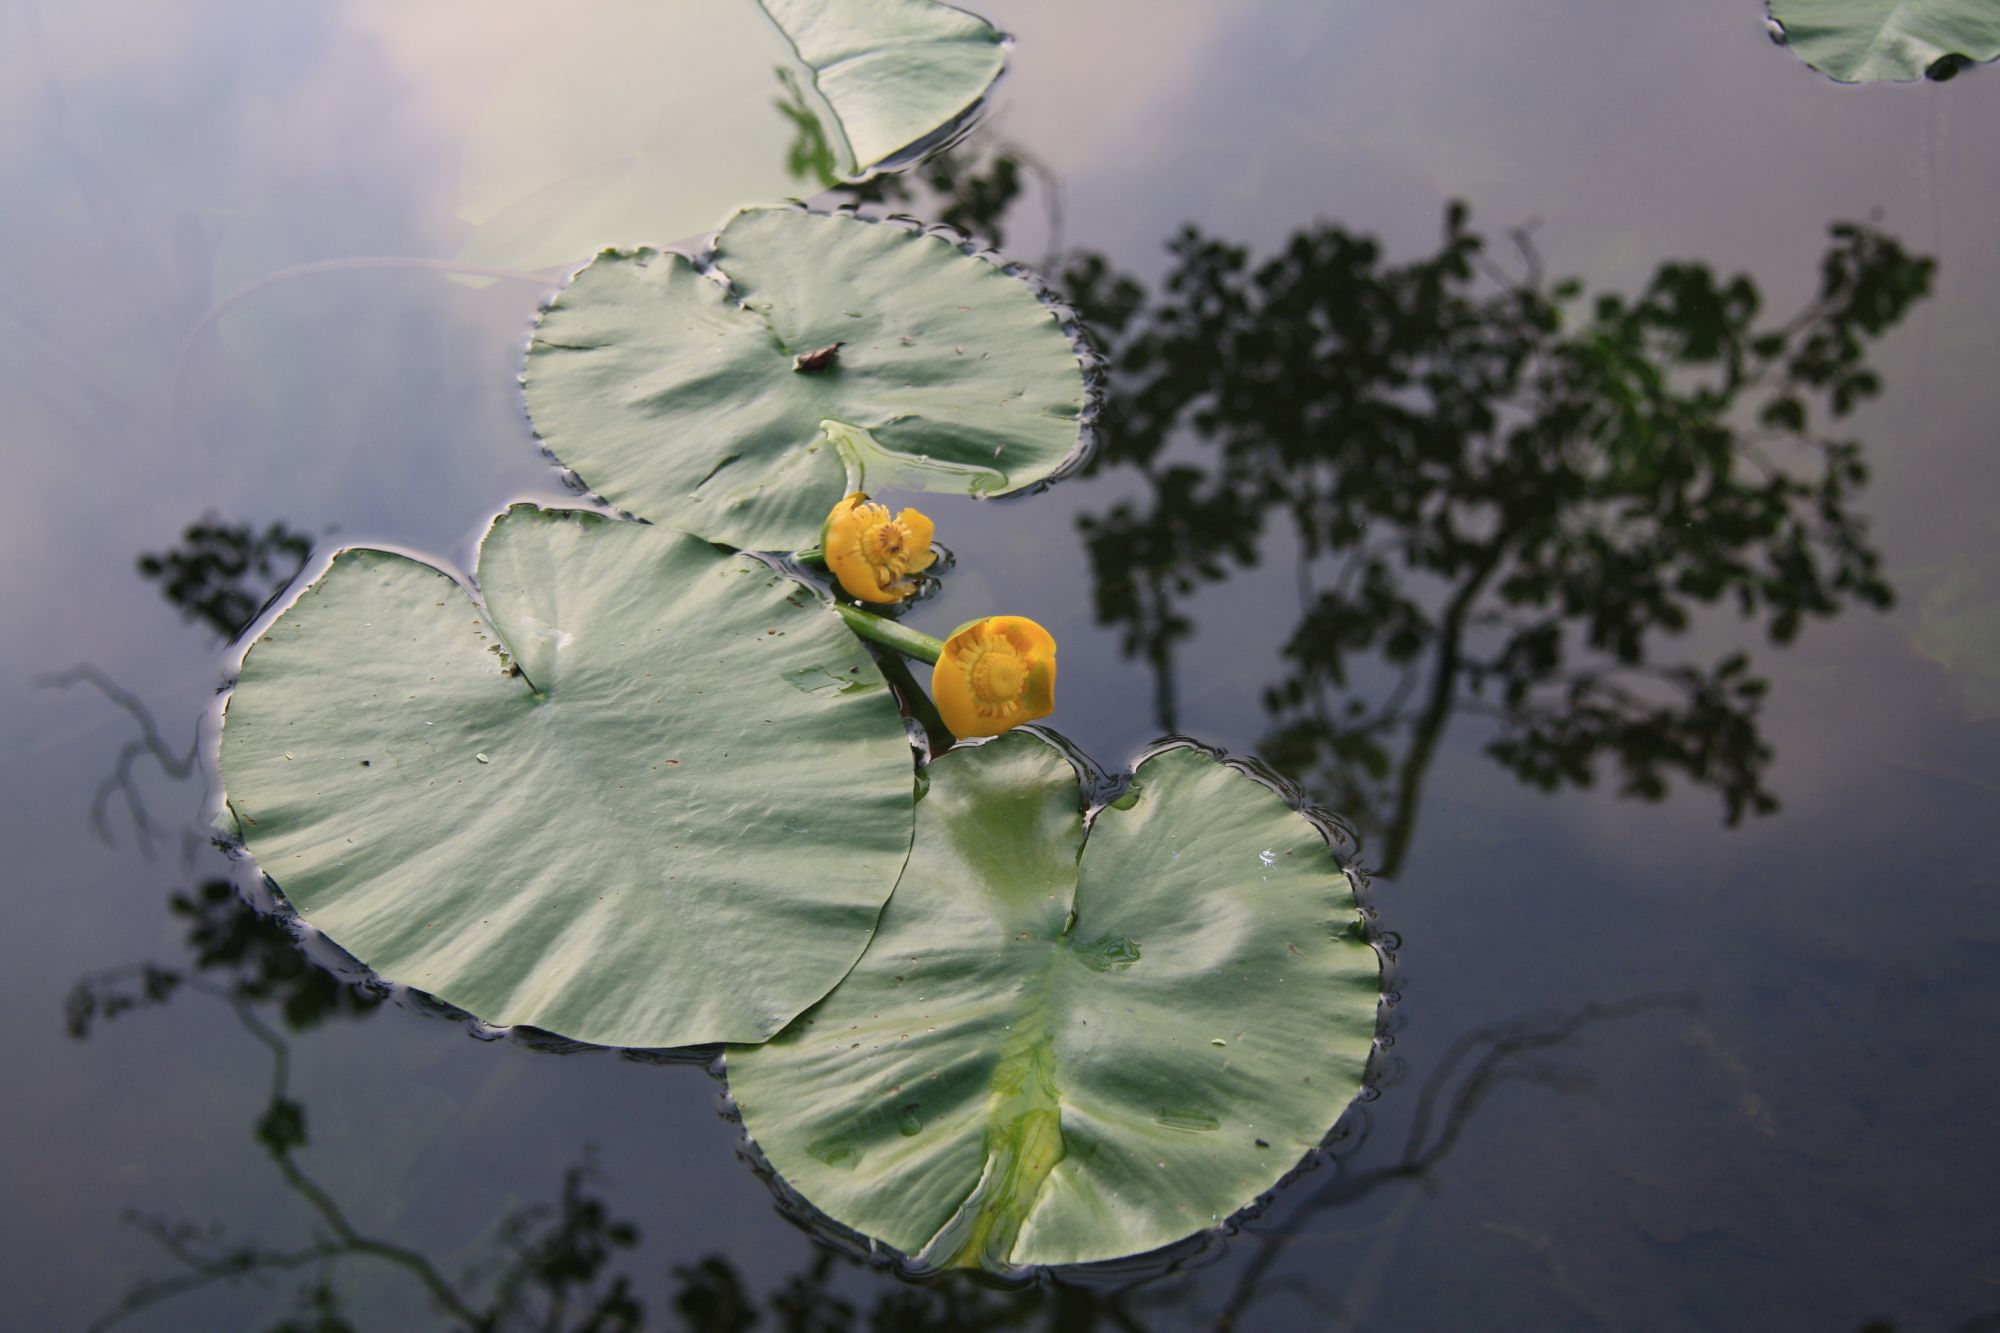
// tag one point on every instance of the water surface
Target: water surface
(1650, 1070)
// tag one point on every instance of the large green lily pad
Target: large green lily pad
(1865, 41)
(892, 71)
(682, 399)
(1064, 1047)
(676, 823)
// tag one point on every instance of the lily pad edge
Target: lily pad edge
(1100, 788)
(260, 889)
(699, 252)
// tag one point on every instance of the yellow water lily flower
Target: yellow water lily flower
(872, 554)
(994, 674)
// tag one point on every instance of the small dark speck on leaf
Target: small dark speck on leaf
(366, 764)
(1260, 1143)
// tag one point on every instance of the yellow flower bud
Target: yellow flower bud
(994, 674)
(872, 554)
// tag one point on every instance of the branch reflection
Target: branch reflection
(1497, 496)
(556, 1265)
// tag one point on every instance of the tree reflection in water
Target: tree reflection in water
(222, 574)
(554, 1266)
(549, 1257)
(1499, 497)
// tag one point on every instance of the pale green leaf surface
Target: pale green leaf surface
(996, 1084)
(1865, 41)
(893, 71)
(663, 841)
(678, 403)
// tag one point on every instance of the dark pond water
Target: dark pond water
(1653, 1068)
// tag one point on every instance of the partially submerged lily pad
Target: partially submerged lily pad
(631, 802)
(1865, 41)
(1064, 1047)
(711, 409)
(892, 71)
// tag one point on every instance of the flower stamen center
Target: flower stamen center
(886, 544)
(998, 676)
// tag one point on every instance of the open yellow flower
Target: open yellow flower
(994, 674)
(872, 554)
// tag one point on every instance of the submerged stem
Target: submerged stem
(916, 703)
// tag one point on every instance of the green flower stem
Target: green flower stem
(916, 702)
(812, 555)
(879, 629)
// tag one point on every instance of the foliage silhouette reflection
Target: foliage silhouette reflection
(1505, 503)
(217, 573)
(1500, 498)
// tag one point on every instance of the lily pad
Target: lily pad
(893, 71)
(1866, 41)
(1067, 1045)
(686, 400)
(604, 807)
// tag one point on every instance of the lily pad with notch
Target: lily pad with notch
(1074, 1042)
(892, 72)
(610, 803)
(840, 354)
(1869, 41)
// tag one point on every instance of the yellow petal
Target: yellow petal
(921, 530)
(951, 690)
(1030, 640)
(969, 695)
(842, 542)
(1038, 698)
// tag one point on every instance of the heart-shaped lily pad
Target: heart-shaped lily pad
(655, 795)
(893, 71)
(1068, 1045)
(1866, 41)
(704, 407)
